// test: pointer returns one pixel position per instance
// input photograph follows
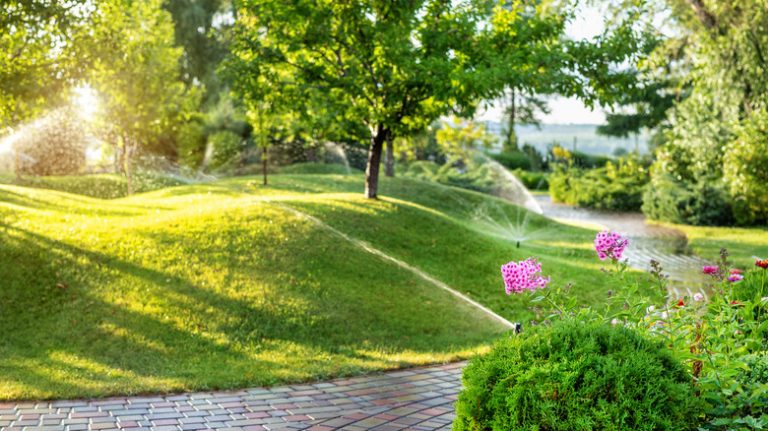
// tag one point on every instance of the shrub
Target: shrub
(191, 144)
(577, 376)
(55, 145)
(227, 148)
(513, 160)
(533, 180)
(616, 187)
(745, 169)
(705, 203)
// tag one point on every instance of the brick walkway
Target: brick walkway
(416, 399)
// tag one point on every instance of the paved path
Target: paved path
(415, 399)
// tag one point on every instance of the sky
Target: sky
(587, 24)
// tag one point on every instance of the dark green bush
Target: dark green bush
(705, 203)
(514, 160)
(577, 376)
(615, 187)
(584, 160)
(533, 180)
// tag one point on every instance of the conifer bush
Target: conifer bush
(577, 376)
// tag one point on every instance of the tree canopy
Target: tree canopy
(397, 66)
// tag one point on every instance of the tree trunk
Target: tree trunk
(389, 163)
(374, 160)
(264, 163)
(264, 147)
(128, 152)
(511, 142)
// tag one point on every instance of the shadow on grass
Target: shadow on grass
(78, 322)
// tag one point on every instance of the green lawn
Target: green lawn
(743, 244)
(224, 285)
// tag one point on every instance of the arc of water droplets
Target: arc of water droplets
(421, 274)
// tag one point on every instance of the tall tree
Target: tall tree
(395, 66)
(522, 109)
(136, 72)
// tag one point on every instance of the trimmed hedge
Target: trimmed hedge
(577, 376)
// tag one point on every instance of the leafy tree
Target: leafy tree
(522, 109)
(727, 55)
(37, 58)
(661, 81)
(397, 66)
(458, 139)
(135, 70)
(201, 30)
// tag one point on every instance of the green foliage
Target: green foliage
(458, 138)
(227, 148)
(728, 340)
(397, 68)
(191, 144)
(744, 398)
(54, 145)
(37, 58)
(705, 203)
(533, 180)
(745, 169)
(133, 48)
(513, 160)
(616, 187)
(716, 133)
(577, 376)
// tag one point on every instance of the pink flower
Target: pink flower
(736, 271)
(733, 278)
(610, 245)
(710, 269)
(523, 275)
(698, 297)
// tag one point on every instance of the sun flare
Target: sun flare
(86, 101)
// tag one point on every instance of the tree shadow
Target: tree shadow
(73, 323)
(26, 201)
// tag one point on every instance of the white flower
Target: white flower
(651, 309)
(664, 315)
(698, 297)
(615, 322)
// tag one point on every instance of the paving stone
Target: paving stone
(421, 399)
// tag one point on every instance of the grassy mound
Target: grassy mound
(104, 186)
(225, 285)
(317, 168)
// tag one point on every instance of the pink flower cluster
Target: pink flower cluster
(523, 275)
(710, 269)
(610, 245)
